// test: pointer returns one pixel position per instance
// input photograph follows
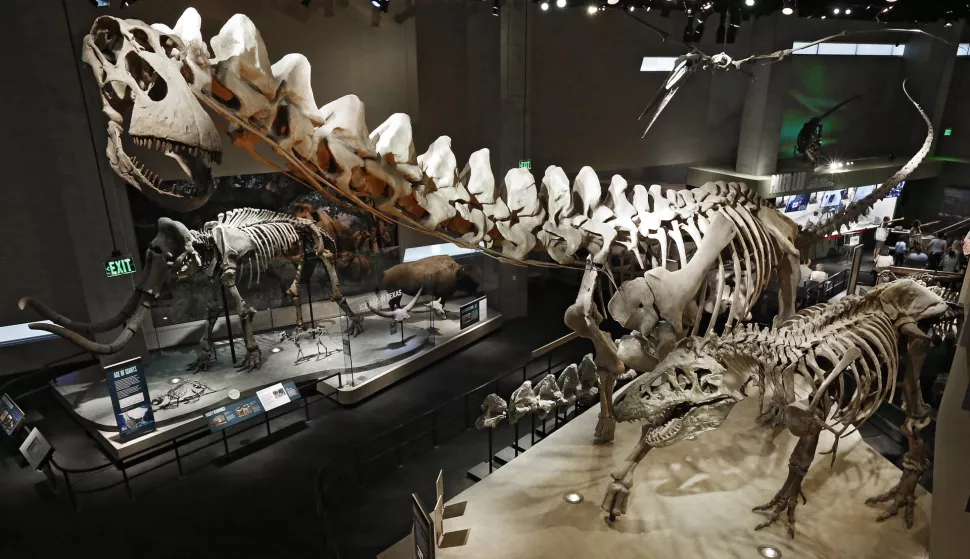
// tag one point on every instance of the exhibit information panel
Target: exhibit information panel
(129, 398)
(424, 544)
(264, 400)
(473, 312)
(11, 417)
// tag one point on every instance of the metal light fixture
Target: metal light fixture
(573, 497)
(544, 6)
(788, 7)
(495, 8)
(381, 4)
(848, 11)
(591, 9)
(749, 2)
(836, 11)
(769, 552)
(630, 7)
(175, 380)
(560, 3)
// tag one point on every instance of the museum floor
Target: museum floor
(262, 502)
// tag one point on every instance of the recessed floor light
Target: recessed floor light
(175, 380)
(573, 497)
(769, 552)
(277, 349)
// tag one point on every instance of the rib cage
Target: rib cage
(826, 333)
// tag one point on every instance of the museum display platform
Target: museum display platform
(377, 359)
(692, 499)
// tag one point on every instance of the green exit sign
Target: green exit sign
(527, 164)
(119, 267)
(948, 132)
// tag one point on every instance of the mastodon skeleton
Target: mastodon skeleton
(846, 353)
(330, 149)
(240, 239)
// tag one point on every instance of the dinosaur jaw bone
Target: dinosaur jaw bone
(149, 78)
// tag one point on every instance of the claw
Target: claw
(615, 500)
(201, 363)
(356, 326)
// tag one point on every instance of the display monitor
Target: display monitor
(797, 203)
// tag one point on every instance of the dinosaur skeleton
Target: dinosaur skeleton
(847, 352)
(153, 72)
(240, 238)
(313, 334)
(809, 140)
(185, 392)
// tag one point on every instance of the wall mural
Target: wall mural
(367, 246)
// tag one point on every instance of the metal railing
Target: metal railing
(176, 446)
(429, 430)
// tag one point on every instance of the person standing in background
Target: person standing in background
(915, 234)
(936, 249)
(882, 233)
(819, 274)
(900, 252)
(884, 260)
(917, 258)
(951, 262)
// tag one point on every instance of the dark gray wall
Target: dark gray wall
(956, 115)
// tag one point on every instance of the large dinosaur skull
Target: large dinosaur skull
(687, 394)
(911, 305)
(149, 78)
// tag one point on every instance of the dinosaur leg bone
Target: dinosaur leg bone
(787, 497)
(294, 293)
(618, 491)
(903, 495)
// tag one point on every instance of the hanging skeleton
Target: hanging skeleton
(240, 238)
(809, 140)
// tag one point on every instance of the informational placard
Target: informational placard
(473, 312)
(263, 401)
(129, 398)
(11, 417)
(119, 266)
(346, 344)
(393, 328)
(36, 449)
(237, 412)
(422, 530)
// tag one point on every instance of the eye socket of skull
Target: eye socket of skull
(145, 75)
(142, 39)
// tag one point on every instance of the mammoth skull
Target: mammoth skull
(149, 77)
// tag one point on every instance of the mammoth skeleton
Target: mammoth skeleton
(243, 237)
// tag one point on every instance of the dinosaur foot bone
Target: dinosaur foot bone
(901, 496)
(605, 428)
(617, 495)
(785, 499)
(252, 361)
(356, 326)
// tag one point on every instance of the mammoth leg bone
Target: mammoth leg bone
(356, 322)
(254, 357)
(903, 495)
(294, 293)
(213, 309)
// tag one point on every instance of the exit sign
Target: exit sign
(119, 267)
(948, 132)
(527, 164)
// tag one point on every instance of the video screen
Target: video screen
(797, 203)
(809, 209)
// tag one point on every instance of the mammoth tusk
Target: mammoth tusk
(85, 327)
(131, 326)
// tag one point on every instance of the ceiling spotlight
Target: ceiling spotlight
(560, 3)
(836, 11)
(823, 17)
(495, 8)
(611, 2)
(381, 4)
(749, 2)
(544, 6)
(787, 11)
(848, 11)
(948, 24)
(101, 3)
(124, 3)
(591, 9)
(630, 7)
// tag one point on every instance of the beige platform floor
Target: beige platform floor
(691, 500)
